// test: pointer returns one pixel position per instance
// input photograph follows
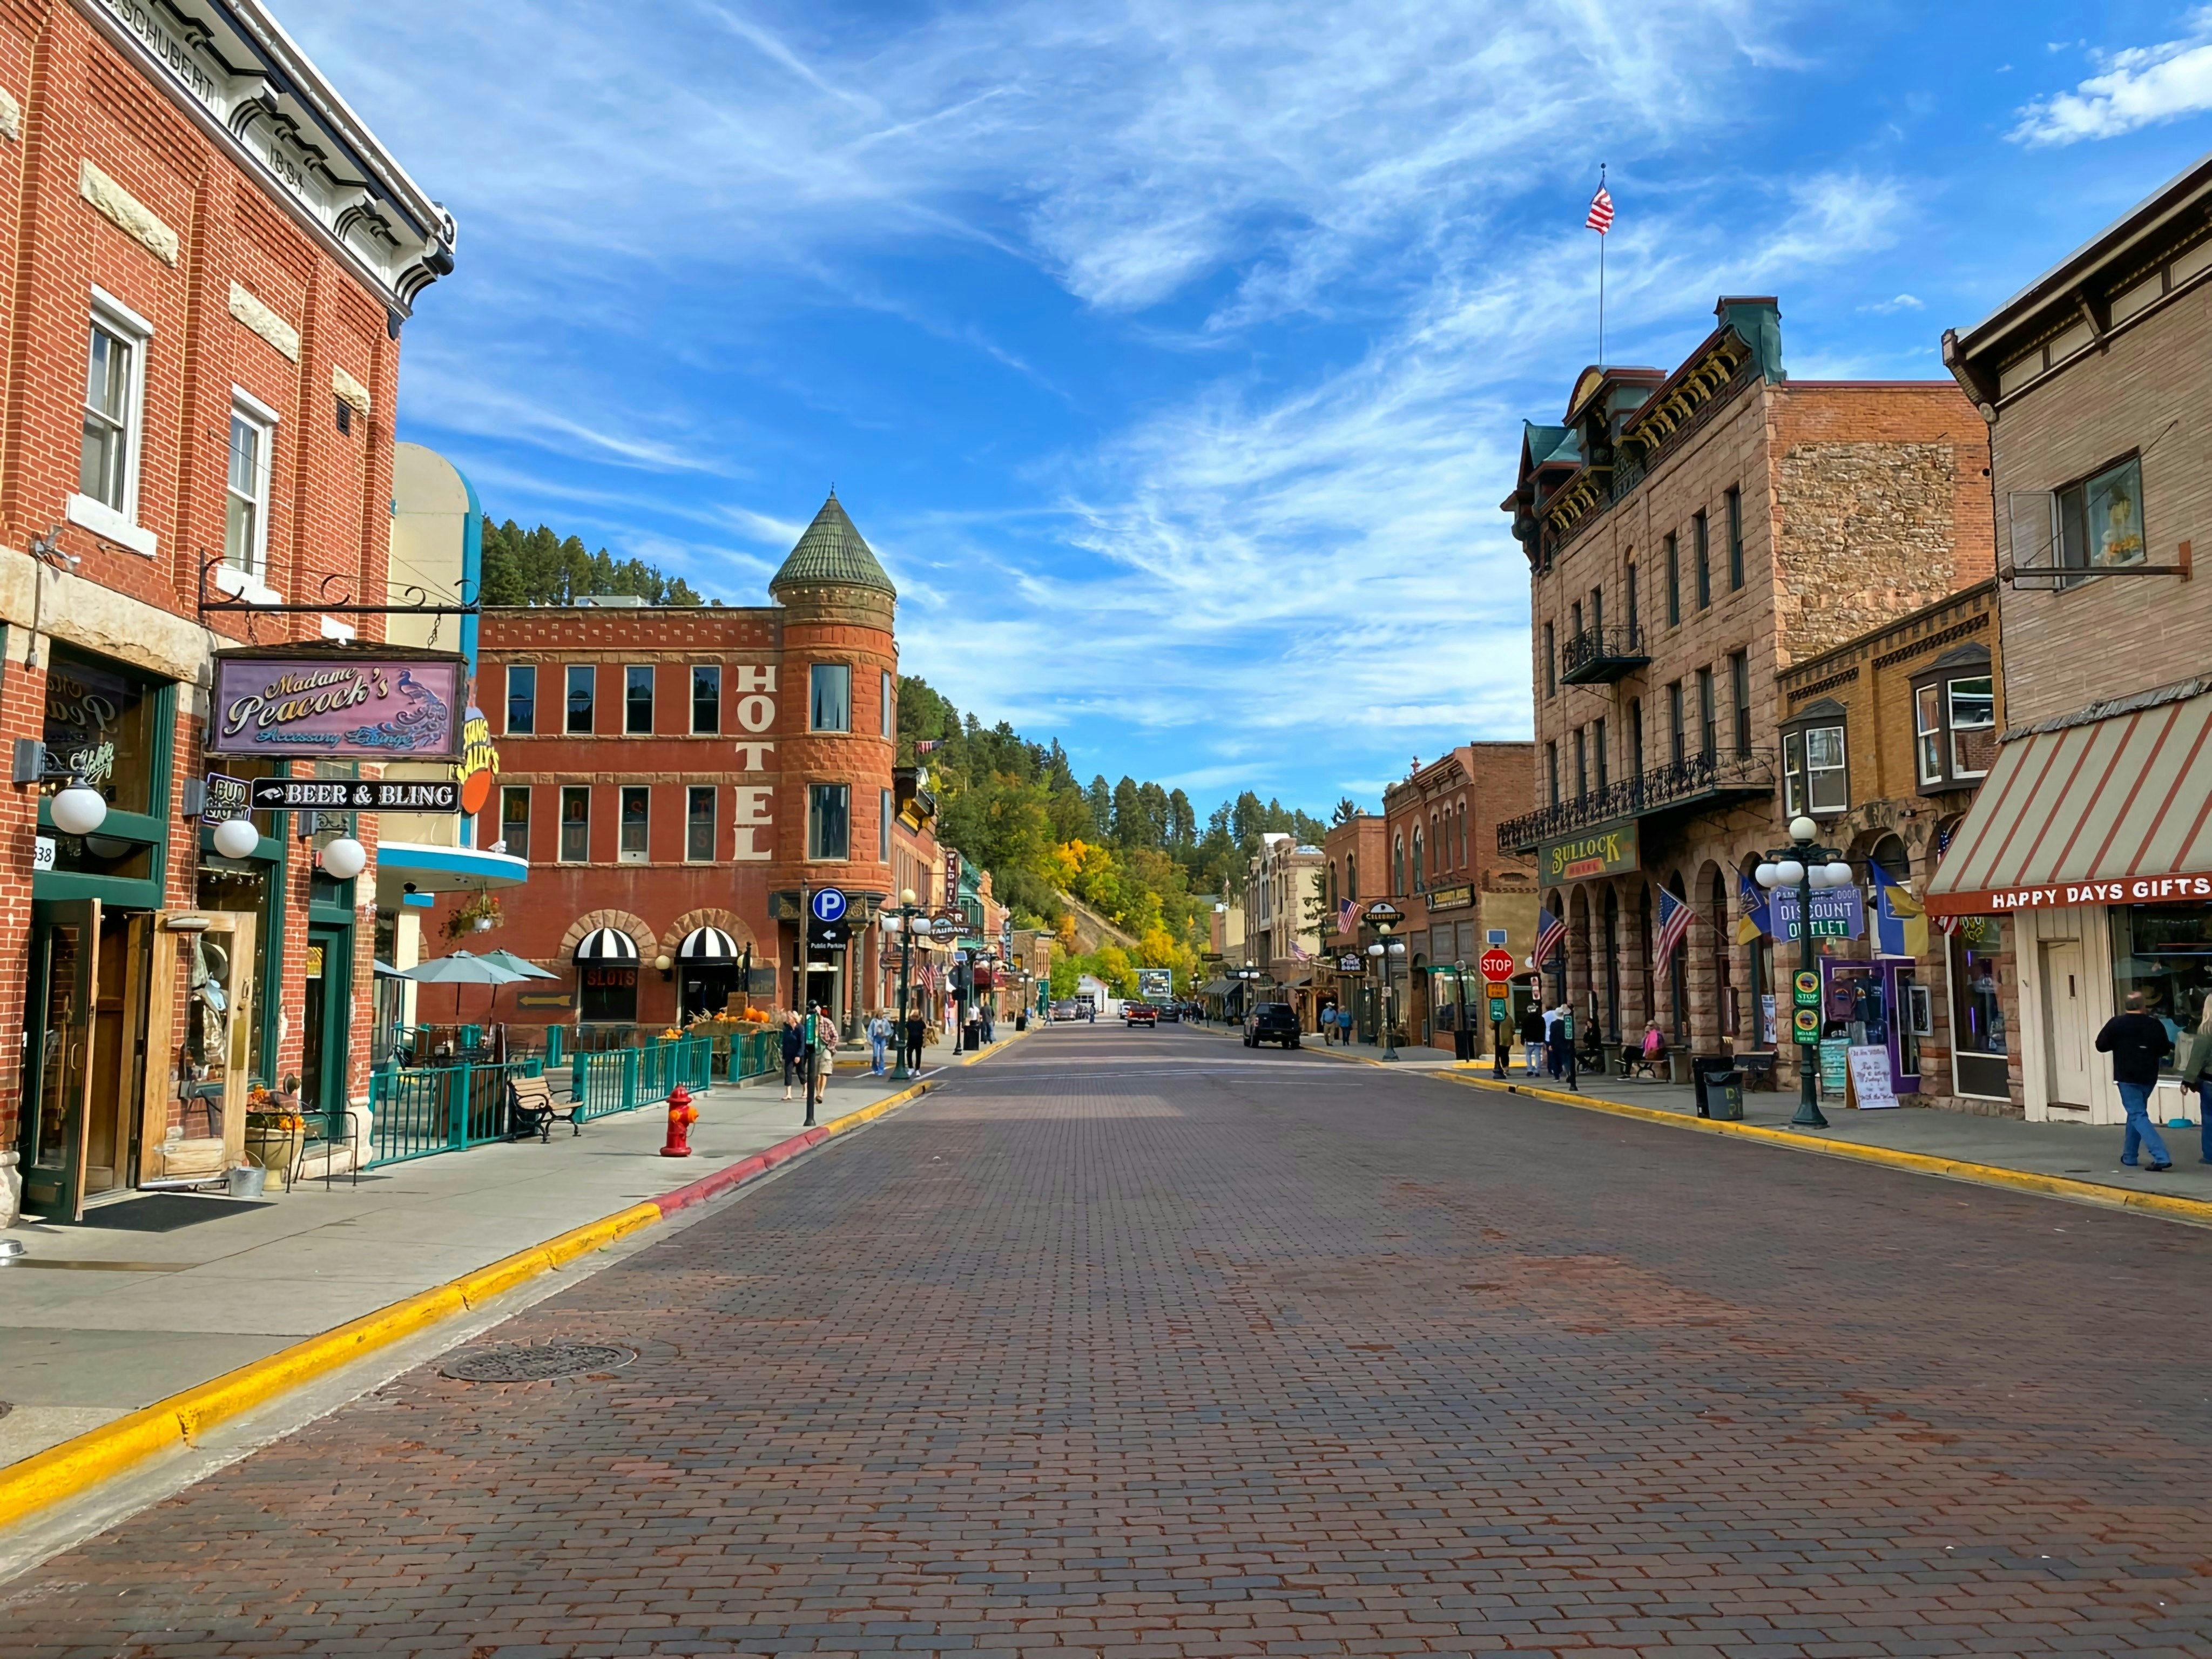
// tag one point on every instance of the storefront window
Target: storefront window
(2165, 952)
(607, 993)
(1979, 1041)
(100, 727)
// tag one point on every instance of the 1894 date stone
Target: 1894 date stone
(536, 1362)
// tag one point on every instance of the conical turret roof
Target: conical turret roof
(832, 550)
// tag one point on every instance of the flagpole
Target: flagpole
(1601, 278)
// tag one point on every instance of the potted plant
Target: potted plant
(275, 1134)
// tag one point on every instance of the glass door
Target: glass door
(327, 1023)
(64, 963)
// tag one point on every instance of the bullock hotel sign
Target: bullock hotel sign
(1612, 852)
(2132, 890)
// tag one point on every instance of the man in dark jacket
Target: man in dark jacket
(916, 1030)
(1532, 1035)
(2138, 1045)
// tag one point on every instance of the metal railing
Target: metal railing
(1679, 783)
(417, 1111)
(1597, 653)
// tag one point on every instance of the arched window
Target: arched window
(1419, 885)
(1398, 864)
(1332, 887)
(1724, 990)
(1463, 835)
(1352, 876)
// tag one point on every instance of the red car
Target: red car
(1140, 1013)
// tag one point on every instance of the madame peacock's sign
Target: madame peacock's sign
(337, 708)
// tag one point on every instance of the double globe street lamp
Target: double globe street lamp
(1805, 867)
(1382, 915)
(903, 925)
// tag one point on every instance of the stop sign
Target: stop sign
(1497, 965)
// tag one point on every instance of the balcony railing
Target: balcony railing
(1699, 780)
(1598, 656)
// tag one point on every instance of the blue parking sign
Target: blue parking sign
(829, 905)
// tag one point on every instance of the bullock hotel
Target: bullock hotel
(678, 778)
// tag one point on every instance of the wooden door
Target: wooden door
(2066, 1024)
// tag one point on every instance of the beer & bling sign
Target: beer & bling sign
(336, 709)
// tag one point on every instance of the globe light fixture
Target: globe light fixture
(1839, 874)
(1802, 828)
(343, 859)
(236, 838)
(1764, 875)
(1788, 873)
(78, 810)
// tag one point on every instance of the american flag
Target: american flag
(928, 744)
(1347, 912)
(1601, 211)
(1551, 935)
(1675, 919)
(1299, 952)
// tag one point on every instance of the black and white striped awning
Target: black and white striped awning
(606, 944)
(706, 945)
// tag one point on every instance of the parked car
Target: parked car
(1171, 1012)
(1140, 1013)
(1067, 1008)
(1272, 1022)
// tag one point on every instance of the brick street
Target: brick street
(1133, 1343)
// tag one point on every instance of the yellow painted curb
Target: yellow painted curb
(63, 1471)
(2196, 1212)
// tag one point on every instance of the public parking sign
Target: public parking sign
(828, 904)
(1496, 965)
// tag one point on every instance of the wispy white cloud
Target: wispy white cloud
(1889, 307)
(2140, 87)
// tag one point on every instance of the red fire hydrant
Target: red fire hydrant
(682, 1114)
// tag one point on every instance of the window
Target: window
(636, 815)
(521, 699)
(699, 823)
(580, 677)
(515, 820)
(1574, 622)
(1740, 693)
(637, 700)
(2100, 520)
(1980, 1042)
(1636, 736)
(1597, 748)
(1673, 580)
(1419, 885)
(706, 697)
(575, 823)
(1814, 777)
(1463, 835)
(1352, 875)
(883, 812)
(105, 502)
(1701, 560)
(1398, 842)
(343, 411)
(829, 818)
(1676, 748)
(1708, 744)
(1955, 719)
(1735, 539)
(890, 706)
(1629, 584)
(1582, 769)
(832, 704)
(1550, 663)
(1597, 610)
(1552, 772)
(245, 485)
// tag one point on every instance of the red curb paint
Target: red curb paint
(698, 1192)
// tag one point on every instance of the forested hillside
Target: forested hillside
(1134, 851)
(538, 567)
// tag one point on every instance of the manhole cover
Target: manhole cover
(535, 1362)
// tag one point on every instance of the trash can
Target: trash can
(1707, 1073)
(1724, 1096)
(975, 1030)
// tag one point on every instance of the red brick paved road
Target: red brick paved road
(1132, 1344)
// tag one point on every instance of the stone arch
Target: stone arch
(621, 921)
(710, 916)
(1712, 955)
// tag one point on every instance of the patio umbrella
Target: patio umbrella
(520, 966)
(463, 968)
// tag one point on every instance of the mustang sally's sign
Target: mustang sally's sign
(337, 708)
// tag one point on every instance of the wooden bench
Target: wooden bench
(531, 1109)
(1760, 1071)
(1652, 1068)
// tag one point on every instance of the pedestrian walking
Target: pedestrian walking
(2138, 1045)
(794, 1048)
(2196, 1061)
(1555, 1038)
(825, 1051)
(1532, 1039)
(879, 1038)
(917, 1028)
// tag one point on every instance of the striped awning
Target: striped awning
(2112, 806)
(604, 944)
(706, 945)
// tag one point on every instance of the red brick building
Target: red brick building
(209, 260)
(679, 778)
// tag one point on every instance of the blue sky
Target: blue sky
(1173, 357)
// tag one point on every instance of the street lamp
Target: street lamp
(905, 914)
(1805, 865)
(1382, 950)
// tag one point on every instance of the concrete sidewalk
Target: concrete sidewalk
(2076, 1152)
(97, 1320)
